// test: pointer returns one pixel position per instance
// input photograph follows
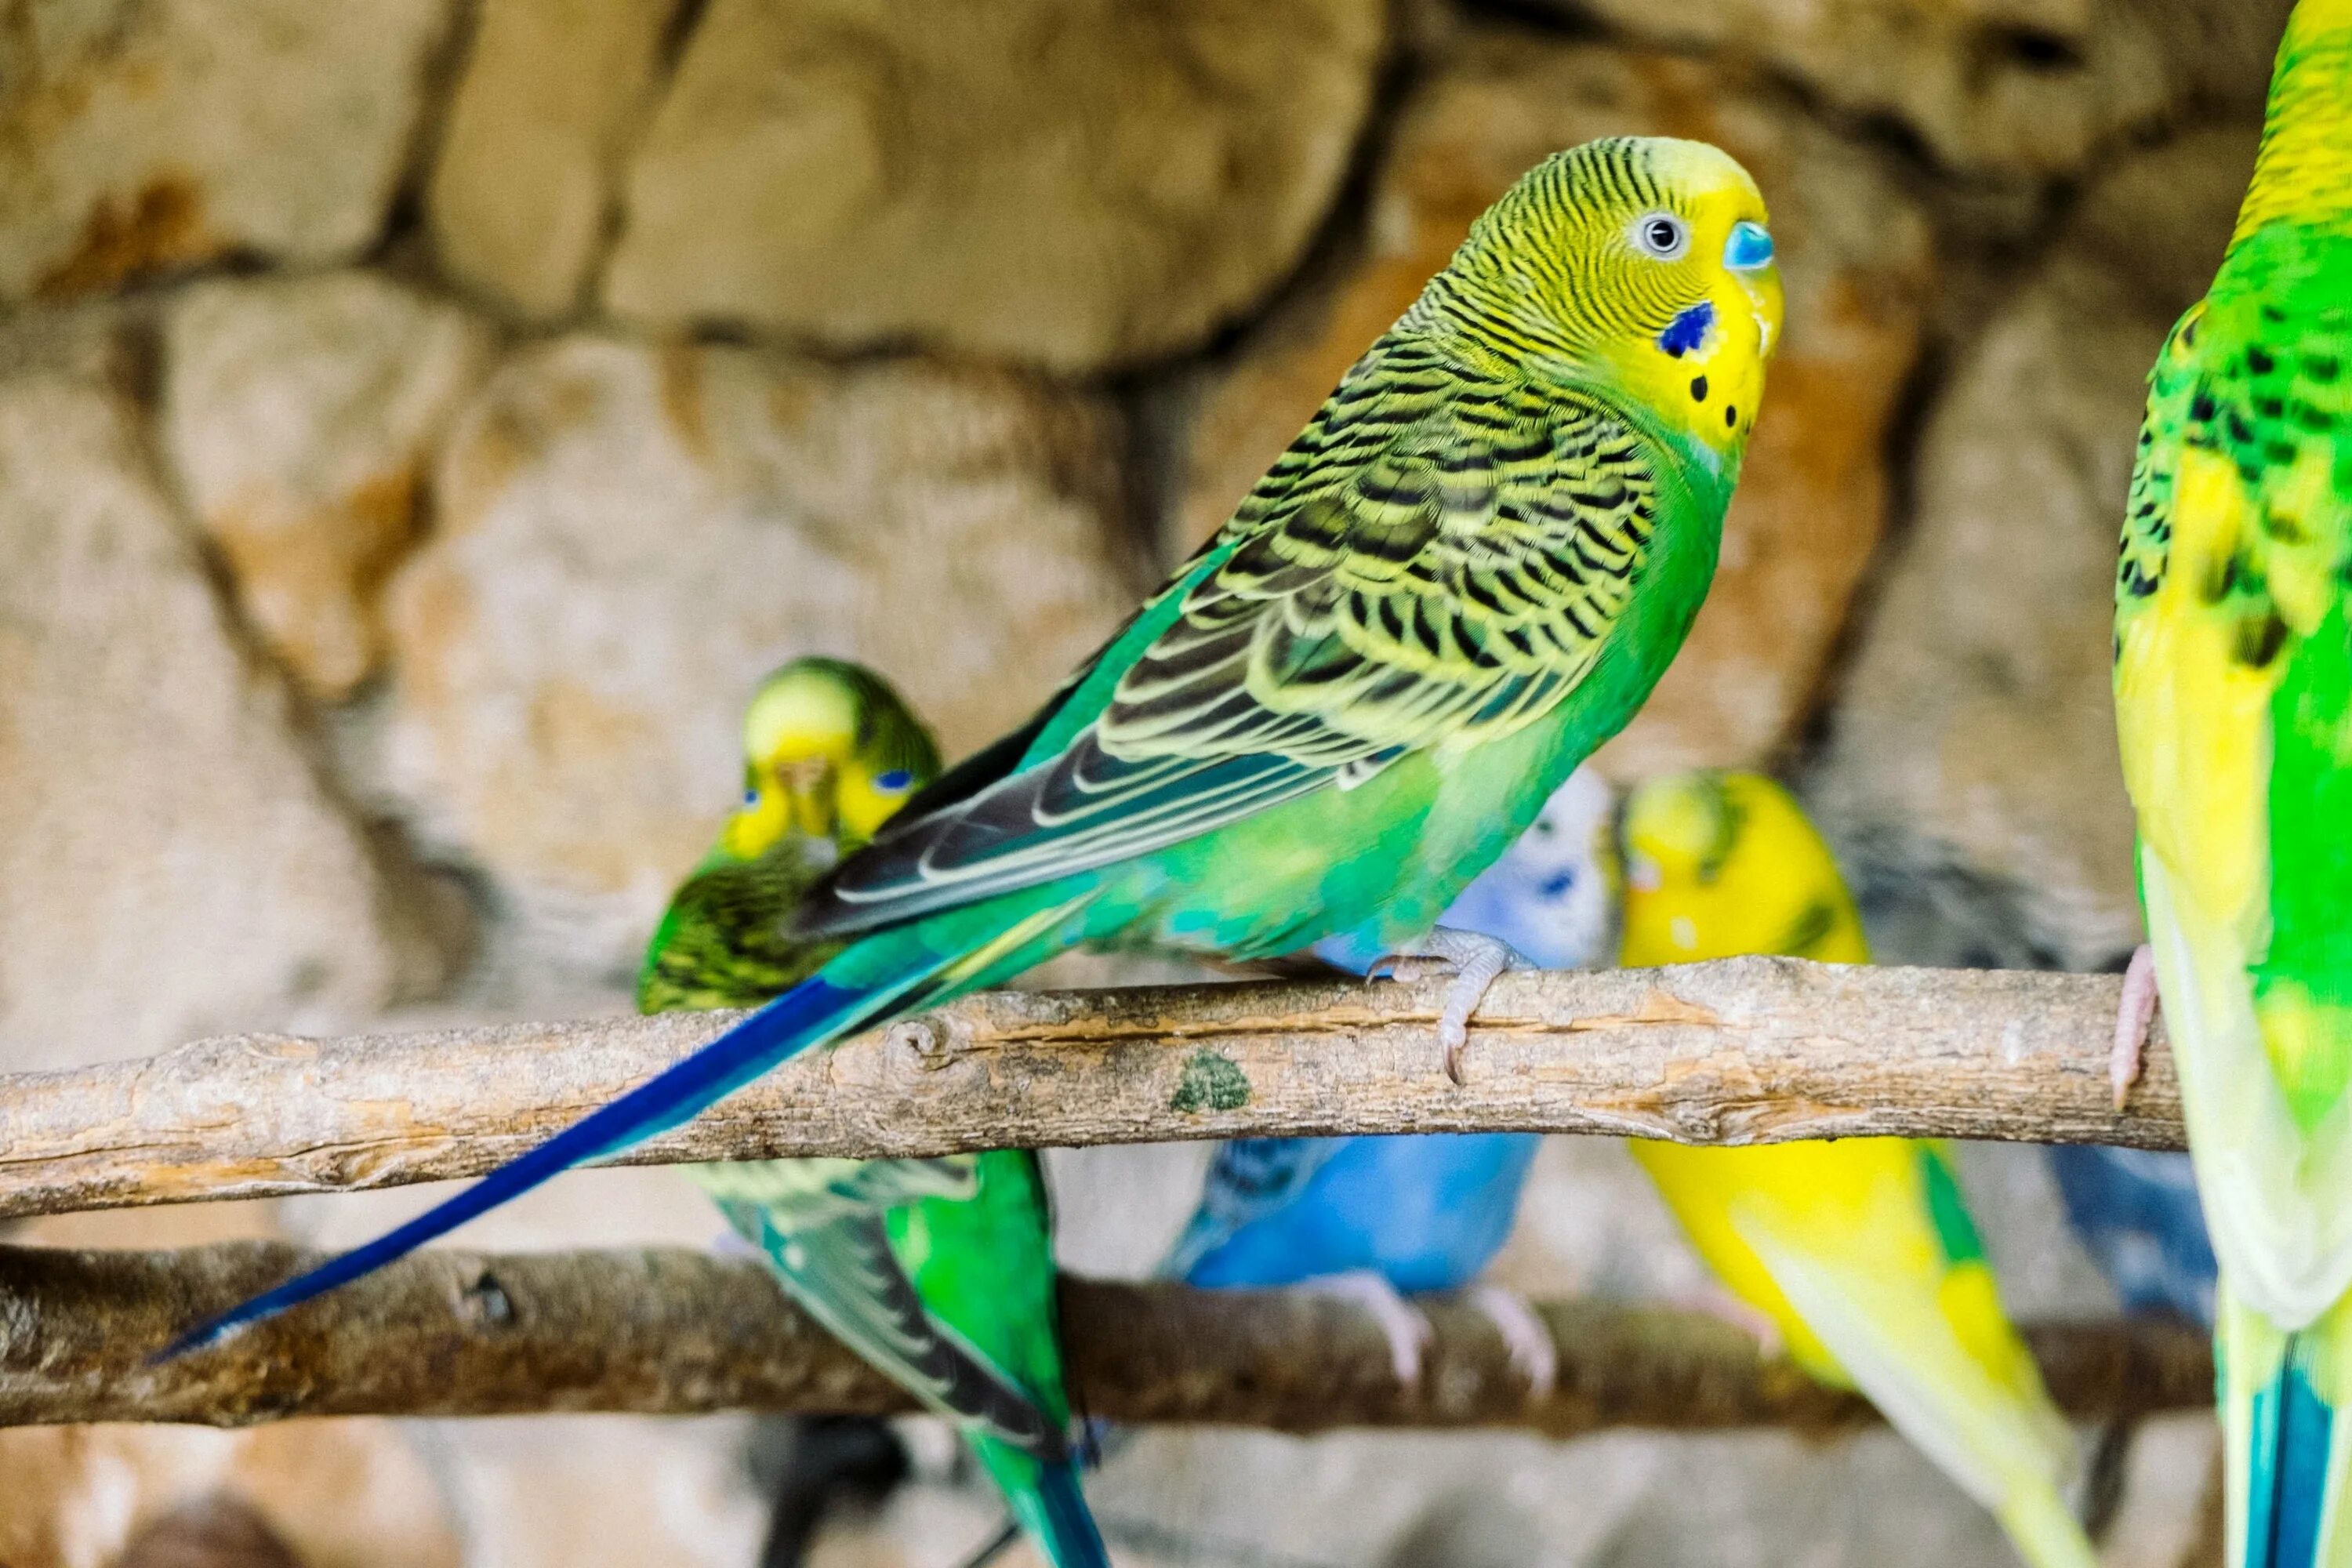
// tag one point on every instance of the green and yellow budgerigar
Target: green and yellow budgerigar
(2233, 705)
(1860, 1252)
(829, 753)
(940, 1272)
(1465, 574)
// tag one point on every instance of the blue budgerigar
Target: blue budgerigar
(2136, 1212)
(1377, 1218)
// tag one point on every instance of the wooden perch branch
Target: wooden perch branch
(449, 1333)
(1744, 1050)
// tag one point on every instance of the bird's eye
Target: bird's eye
(894, 782)
(1662, 234)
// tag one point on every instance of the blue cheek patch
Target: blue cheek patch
(893, 782)
(1687, 330)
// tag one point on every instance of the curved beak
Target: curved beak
(808, 785)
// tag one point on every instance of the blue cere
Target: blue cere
(1749, 247)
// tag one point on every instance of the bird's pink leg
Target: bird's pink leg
(2133, 1021)
(1715, 1302)
(1401, 1322)
(1535, 1354)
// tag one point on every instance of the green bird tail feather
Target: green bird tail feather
(1047, 1502)
(2281, 1395)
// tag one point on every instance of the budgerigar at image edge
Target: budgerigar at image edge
(2234, 706)
(1859, 1252)
(1467, 573)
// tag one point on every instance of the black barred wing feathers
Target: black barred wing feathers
(1435, 559)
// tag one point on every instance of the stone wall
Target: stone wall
(420, 420)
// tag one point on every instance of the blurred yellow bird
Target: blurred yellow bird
(1860, 1252)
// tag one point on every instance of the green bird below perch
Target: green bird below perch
(940, 1272)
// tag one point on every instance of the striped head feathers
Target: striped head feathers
(1641, 264)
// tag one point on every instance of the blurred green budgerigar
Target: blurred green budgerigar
(940, 1272)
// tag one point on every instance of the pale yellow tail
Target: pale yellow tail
(2044, 1530)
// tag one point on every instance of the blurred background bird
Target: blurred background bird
(2233, 709)
(940, 1272)
(1375, 1219)
(2135, 1213)
(1860, 1252)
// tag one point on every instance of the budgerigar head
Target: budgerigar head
(829, 753)
(1642, 264)
(1718, 864)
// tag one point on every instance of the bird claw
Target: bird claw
(1401, 1322)
(1412, 968)
(1715, 1302)
(1534, 1353)
(2134, 1018)
(1475, 960)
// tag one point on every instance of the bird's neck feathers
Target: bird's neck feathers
(1694, 386)
(2304, 173)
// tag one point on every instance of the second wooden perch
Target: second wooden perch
(455, 1332)
(1743, 1050)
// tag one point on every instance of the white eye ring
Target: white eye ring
(1662, 234)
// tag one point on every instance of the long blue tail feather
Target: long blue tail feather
(2287, 1493)
(810, 1014)
(1061, 1521)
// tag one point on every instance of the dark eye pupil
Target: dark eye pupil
(1662, 234)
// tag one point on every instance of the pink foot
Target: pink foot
(1724, 1307)
(1534, 1353)
(2133, 1020)
(1400, 1323)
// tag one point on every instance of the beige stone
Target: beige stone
(2036, 85)
(300, 417)
(629, 537)
(1071, 182)
(522, 189)
(605, 1492)
(1813, 500)
(141, 138)
(1973, 768)
(170, 865)
(334, 1494)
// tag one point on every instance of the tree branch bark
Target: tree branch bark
(1743, 1050)
(452, 1332)
(1732, 1051)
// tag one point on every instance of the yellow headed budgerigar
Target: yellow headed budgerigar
(1860, 1251)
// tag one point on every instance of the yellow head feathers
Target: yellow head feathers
(1642, 264)
(829, 752)
(1718, 864)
